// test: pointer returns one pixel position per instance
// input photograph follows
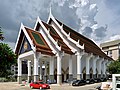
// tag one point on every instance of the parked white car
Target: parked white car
(117, 86)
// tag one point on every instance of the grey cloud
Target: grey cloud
(16, 11)
(100, 32)
(66, 15)
(58, 2)
(87, 31)
(86, 11)
(6, 15)
(10, 35)
(13, 13)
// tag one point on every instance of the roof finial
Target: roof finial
(22, 24)
(50, 12)
(50, 9)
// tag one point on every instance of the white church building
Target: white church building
(52, 50)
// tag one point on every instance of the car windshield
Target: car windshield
(79, 81)
(35, 82)
(118, 85)
(41, 83)
(76, 81)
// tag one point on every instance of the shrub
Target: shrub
(3, 79)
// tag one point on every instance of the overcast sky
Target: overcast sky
(99, 20)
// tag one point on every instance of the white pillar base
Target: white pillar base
(29, 79)
(59, 79)
(70, 77)
(19, 79)
(51, 78)
(36, 78)
(79, 76)
(87, 76)
(40, 76)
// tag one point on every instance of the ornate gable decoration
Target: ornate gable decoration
(25, 46)
(39, 42)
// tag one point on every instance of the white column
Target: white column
(70, 68)
(35, 67)
(51, 66)
(87, 68)
(99, 70)
(88, 57)
(104, 67)
(94, 66)
(79, 69)
(19, 67)
(29, 71)
(87, 65)
(19, 71)
(45, 68)
(45, 74)
(40, 71)
(51, 69)
(70, 64)
(59, 75)
(104, 63)
(29, 68)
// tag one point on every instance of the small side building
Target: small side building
(112, 48)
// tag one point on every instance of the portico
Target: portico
(54, 51)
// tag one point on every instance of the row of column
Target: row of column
(59, 74)
(35, 69)
(97, 62)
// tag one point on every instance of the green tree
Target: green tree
(1, 34)
(7, 58)
(114, 67)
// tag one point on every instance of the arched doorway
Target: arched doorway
(84, 73)
(91, 72)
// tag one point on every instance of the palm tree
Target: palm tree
(1, 34)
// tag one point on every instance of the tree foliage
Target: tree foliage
(1, 34)
(7, 58)
(114, 67)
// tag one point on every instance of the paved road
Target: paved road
(15, 86)
(68, 87)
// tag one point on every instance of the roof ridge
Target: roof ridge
(77, 33)
(84, 38)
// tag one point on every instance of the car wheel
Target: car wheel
(31, 87)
